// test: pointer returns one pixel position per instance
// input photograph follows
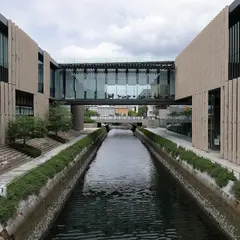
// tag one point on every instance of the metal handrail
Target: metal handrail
(116, 118)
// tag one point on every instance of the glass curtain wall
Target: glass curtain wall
(3, 58)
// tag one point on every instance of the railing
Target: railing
(116, 118)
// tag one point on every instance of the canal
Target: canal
(128, 195)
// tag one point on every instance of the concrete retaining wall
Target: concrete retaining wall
(151, 123)
(90, 125)
(218, 205)
(38, 213)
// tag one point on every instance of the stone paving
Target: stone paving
(9, 176)
(186, 143)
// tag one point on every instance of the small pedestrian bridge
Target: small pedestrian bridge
(117, 119)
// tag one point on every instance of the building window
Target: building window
(52, 82)
(40, 77)
(234, 45)
(24, 104)
(3, 58)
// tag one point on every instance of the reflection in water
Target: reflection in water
(127, 195)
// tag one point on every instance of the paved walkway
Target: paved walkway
(9, 176)
(186, 142)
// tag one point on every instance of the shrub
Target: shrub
(58, 138)
(26, 149)
(217, 172)
(36, 179)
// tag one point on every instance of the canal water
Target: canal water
(128, 195)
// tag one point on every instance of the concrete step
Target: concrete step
(10, 158)
(44, 144)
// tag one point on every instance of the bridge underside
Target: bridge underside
(139, 102)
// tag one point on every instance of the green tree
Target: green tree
(90, 113)
(173, 115)
(188, 113)
(59, 118)
(132, 113)
(26, 128)
(142, 111)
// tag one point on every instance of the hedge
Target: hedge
(36, 179)
(220, 174)
(26, 149)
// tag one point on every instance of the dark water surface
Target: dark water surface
(128, 195)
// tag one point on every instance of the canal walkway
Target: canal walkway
(186, 143)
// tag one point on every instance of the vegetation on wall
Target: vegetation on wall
(220, 174)
(31, 183)
(24, 128)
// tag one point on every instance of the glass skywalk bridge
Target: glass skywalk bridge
(131, 83)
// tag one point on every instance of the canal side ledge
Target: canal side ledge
(212, 192)
(35, 198)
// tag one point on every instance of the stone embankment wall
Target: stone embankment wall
(212, 199)
(90, 125)
(151, 123)
(41, 211)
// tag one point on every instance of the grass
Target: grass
(26, 149)
(220, 174)
(36, 179)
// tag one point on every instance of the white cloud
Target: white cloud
(83, 29)
(103, 51)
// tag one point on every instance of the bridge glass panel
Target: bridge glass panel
(132, 84)
(101, 88)
(172, 83)
(142, 88)
(70, 91)
(58, 84)
(80, 84)
(91, 85)
(163, 83)
(154, 84)
(121, 84)
(111, 84)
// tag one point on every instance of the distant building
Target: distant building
(103, 110)
(122, 110)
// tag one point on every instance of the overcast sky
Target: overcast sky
(112, 29)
